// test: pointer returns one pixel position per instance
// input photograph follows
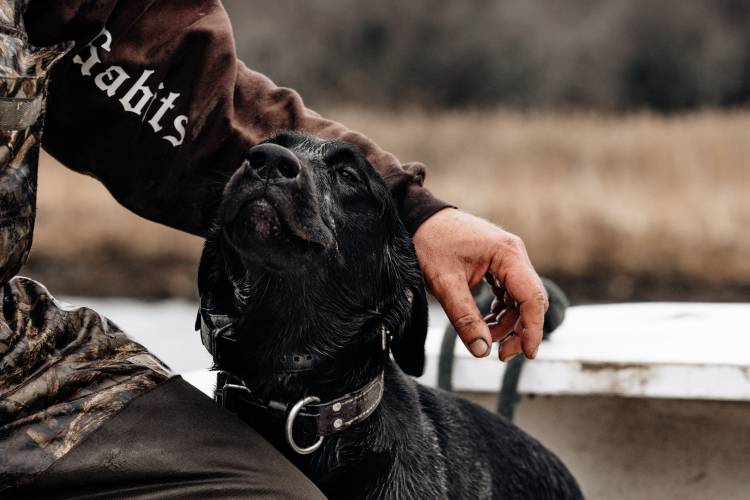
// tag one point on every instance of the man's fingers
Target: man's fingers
(454, 295)
(525, 287)
(532, 321)
(454, 248)
(510, 348)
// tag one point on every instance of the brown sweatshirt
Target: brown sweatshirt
(153, 101)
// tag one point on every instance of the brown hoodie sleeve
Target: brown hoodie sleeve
(153, 101)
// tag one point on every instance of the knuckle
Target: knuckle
(434, 279)
(439, 282)
(513, 246)
(441, 278)
(540, 298)
(466, 322)
(515, 242)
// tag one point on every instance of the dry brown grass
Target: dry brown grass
(76, 215)
(86, 243)
(639, 194)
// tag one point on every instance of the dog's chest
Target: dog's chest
(386, 458)
(406, 477)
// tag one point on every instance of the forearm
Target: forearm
(158, 107)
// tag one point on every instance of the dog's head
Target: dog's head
(308, 254)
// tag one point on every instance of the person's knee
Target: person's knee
(174, 442)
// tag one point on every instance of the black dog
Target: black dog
(307, 281)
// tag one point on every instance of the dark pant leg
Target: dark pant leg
(172, 442)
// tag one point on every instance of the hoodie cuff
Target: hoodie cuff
(420, 205)
(415, 202)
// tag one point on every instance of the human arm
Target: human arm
(154, 103)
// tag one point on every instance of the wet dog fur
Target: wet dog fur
(308, 254)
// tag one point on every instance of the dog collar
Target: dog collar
(308, 419)
(216, 329)
(219, 337)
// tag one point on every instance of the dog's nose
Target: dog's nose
(272, 161)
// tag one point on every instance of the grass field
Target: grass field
(615, 207)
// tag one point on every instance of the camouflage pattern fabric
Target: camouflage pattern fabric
(63, 372)
(23, 84)
(19, 151)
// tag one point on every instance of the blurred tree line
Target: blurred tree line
(666, 55)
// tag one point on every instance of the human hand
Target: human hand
(455, 251)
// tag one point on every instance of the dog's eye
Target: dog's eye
(348, 174)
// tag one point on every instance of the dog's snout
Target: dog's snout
(272, 161)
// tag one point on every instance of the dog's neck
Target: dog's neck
(280, 321)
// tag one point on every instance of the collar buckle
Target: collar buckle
(385, 338)
(225, 382)
(216, 330)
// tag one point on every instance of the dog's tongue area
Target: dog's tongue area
(265, 219)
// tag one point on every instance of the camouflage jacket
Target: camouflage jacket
(63, 371)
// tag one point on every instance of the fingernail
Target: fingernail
(508, 358)
(479, 348)
(533, 354)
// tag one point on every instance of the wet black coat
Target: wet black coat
(308, 255)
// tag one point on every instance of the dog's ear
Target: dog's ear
(410, 334)
(204, 274)
(408, 345)
(204, 270)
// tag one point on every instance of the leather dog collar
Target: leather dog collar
(217, 331)
(307, 418)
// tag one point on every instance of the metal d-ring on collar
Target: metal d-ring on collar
(326, 418)
(290, 427)
(336, 415)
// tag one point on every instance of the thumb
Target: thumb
(454, 295)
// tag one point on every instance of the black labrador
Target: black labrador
(308, 283)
